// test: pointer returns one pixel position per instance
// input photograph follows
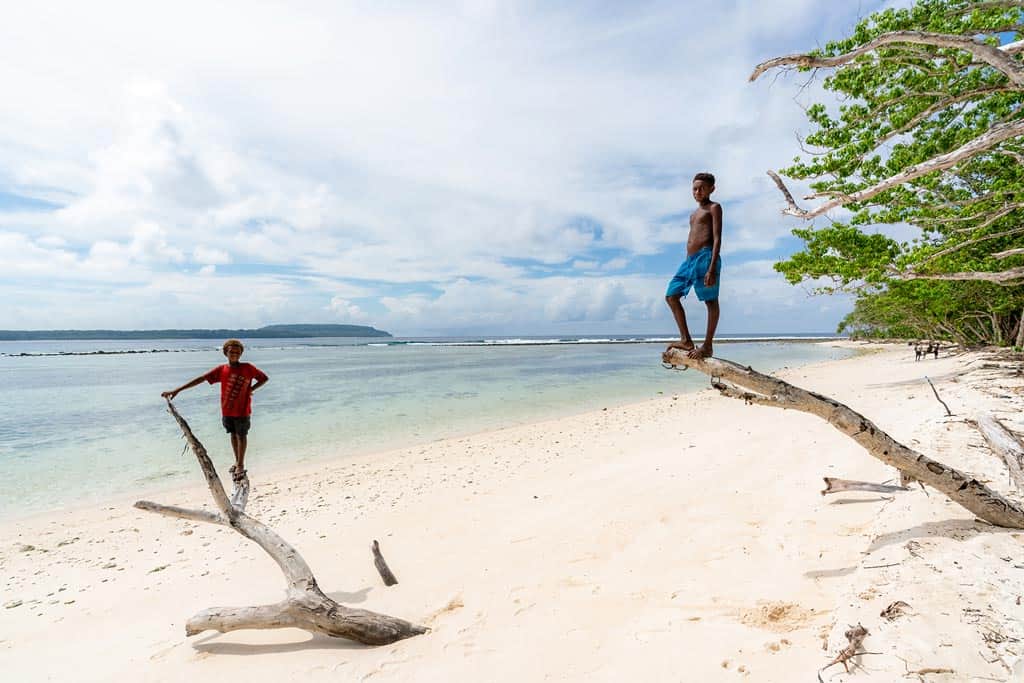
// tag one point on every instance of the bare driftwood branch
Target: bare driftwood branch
(305, 606)
(996, 57)
(1008, 253)
(833, 485)
(935, 391)
(1005, 445)
(386, 575)
(181, 513)
(959, 487)
(993, 136)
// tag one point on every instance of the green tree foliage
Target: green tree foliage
(929, 132)
(968, 313)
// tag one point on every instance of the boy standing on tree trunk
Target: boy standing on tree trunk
(236, 389)
(701, 269)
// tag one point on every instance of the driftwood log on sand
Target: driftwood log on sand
(833, 485)
(1005, 445)
(305, 606)
(765, 390)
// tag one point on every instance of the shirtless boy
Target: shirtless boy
(702, 268)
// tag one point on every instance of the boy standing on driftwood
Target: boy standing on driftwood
(701, 269)
(236, 389)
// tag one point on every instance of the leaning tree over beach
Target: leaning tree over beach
(928, 132)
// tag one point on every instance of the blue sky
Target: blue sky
(427, 168)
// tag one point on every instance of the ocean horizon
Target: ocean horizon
(83, 421)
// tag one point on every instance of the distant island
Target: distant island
(268, 332)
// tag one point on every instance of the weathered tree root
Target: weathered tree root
(761, 389)
(305, 606)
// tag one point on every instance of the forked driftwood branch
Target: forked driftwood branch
(1006, 446)
(833, 485)
(761, 389)
(305, 606)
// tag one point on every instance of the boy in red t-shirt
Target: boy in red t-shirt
(236, 389)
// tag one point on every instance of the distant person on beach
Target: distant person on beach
(701, 269)
(236, 387)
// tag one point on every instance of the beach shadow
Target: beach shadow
(315, 641)
(349, 598)
(916, 380)
(956, 529)
(830, 573)
(855, 501)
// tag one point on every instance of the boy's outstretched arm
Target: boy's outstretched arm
(716, 244)
(174, 392)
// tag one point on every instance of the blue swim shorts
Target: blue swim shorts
(691, 274)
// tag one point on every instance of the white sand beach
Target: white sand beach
(679, 539)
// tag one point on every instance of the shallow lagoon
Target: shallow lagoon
(80, 428)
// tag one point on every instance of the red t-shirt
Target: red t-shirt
(235, 387)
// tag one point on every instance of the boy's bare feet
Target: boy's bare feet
(702, 351)
(684, 345)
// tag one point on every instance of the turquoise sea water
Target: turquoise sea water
(78, 426)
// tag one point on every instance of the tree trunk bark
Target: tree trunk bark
(305, 605)
(765, 390)
(1020, 331)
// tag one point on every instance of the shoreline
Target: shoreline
(683, 533)
(277, 469)
(493, 343)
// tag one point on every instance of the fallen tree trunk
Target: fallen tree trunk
(770, 391)
(1006, 446)
(305, 606)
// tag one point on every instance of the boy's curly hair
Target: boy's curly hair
(232, 342)
(706, 177)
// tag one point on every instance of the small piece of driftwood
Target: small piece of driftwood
(386, 575)
(935, 391)
(833, 485)
(895, 610)
(305, 606)
(1005, 445)
(855, 635)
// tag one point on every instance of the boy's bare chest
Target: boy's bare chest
(700, 218)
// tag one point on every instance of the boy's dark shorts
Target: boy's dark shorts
(236, 425)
